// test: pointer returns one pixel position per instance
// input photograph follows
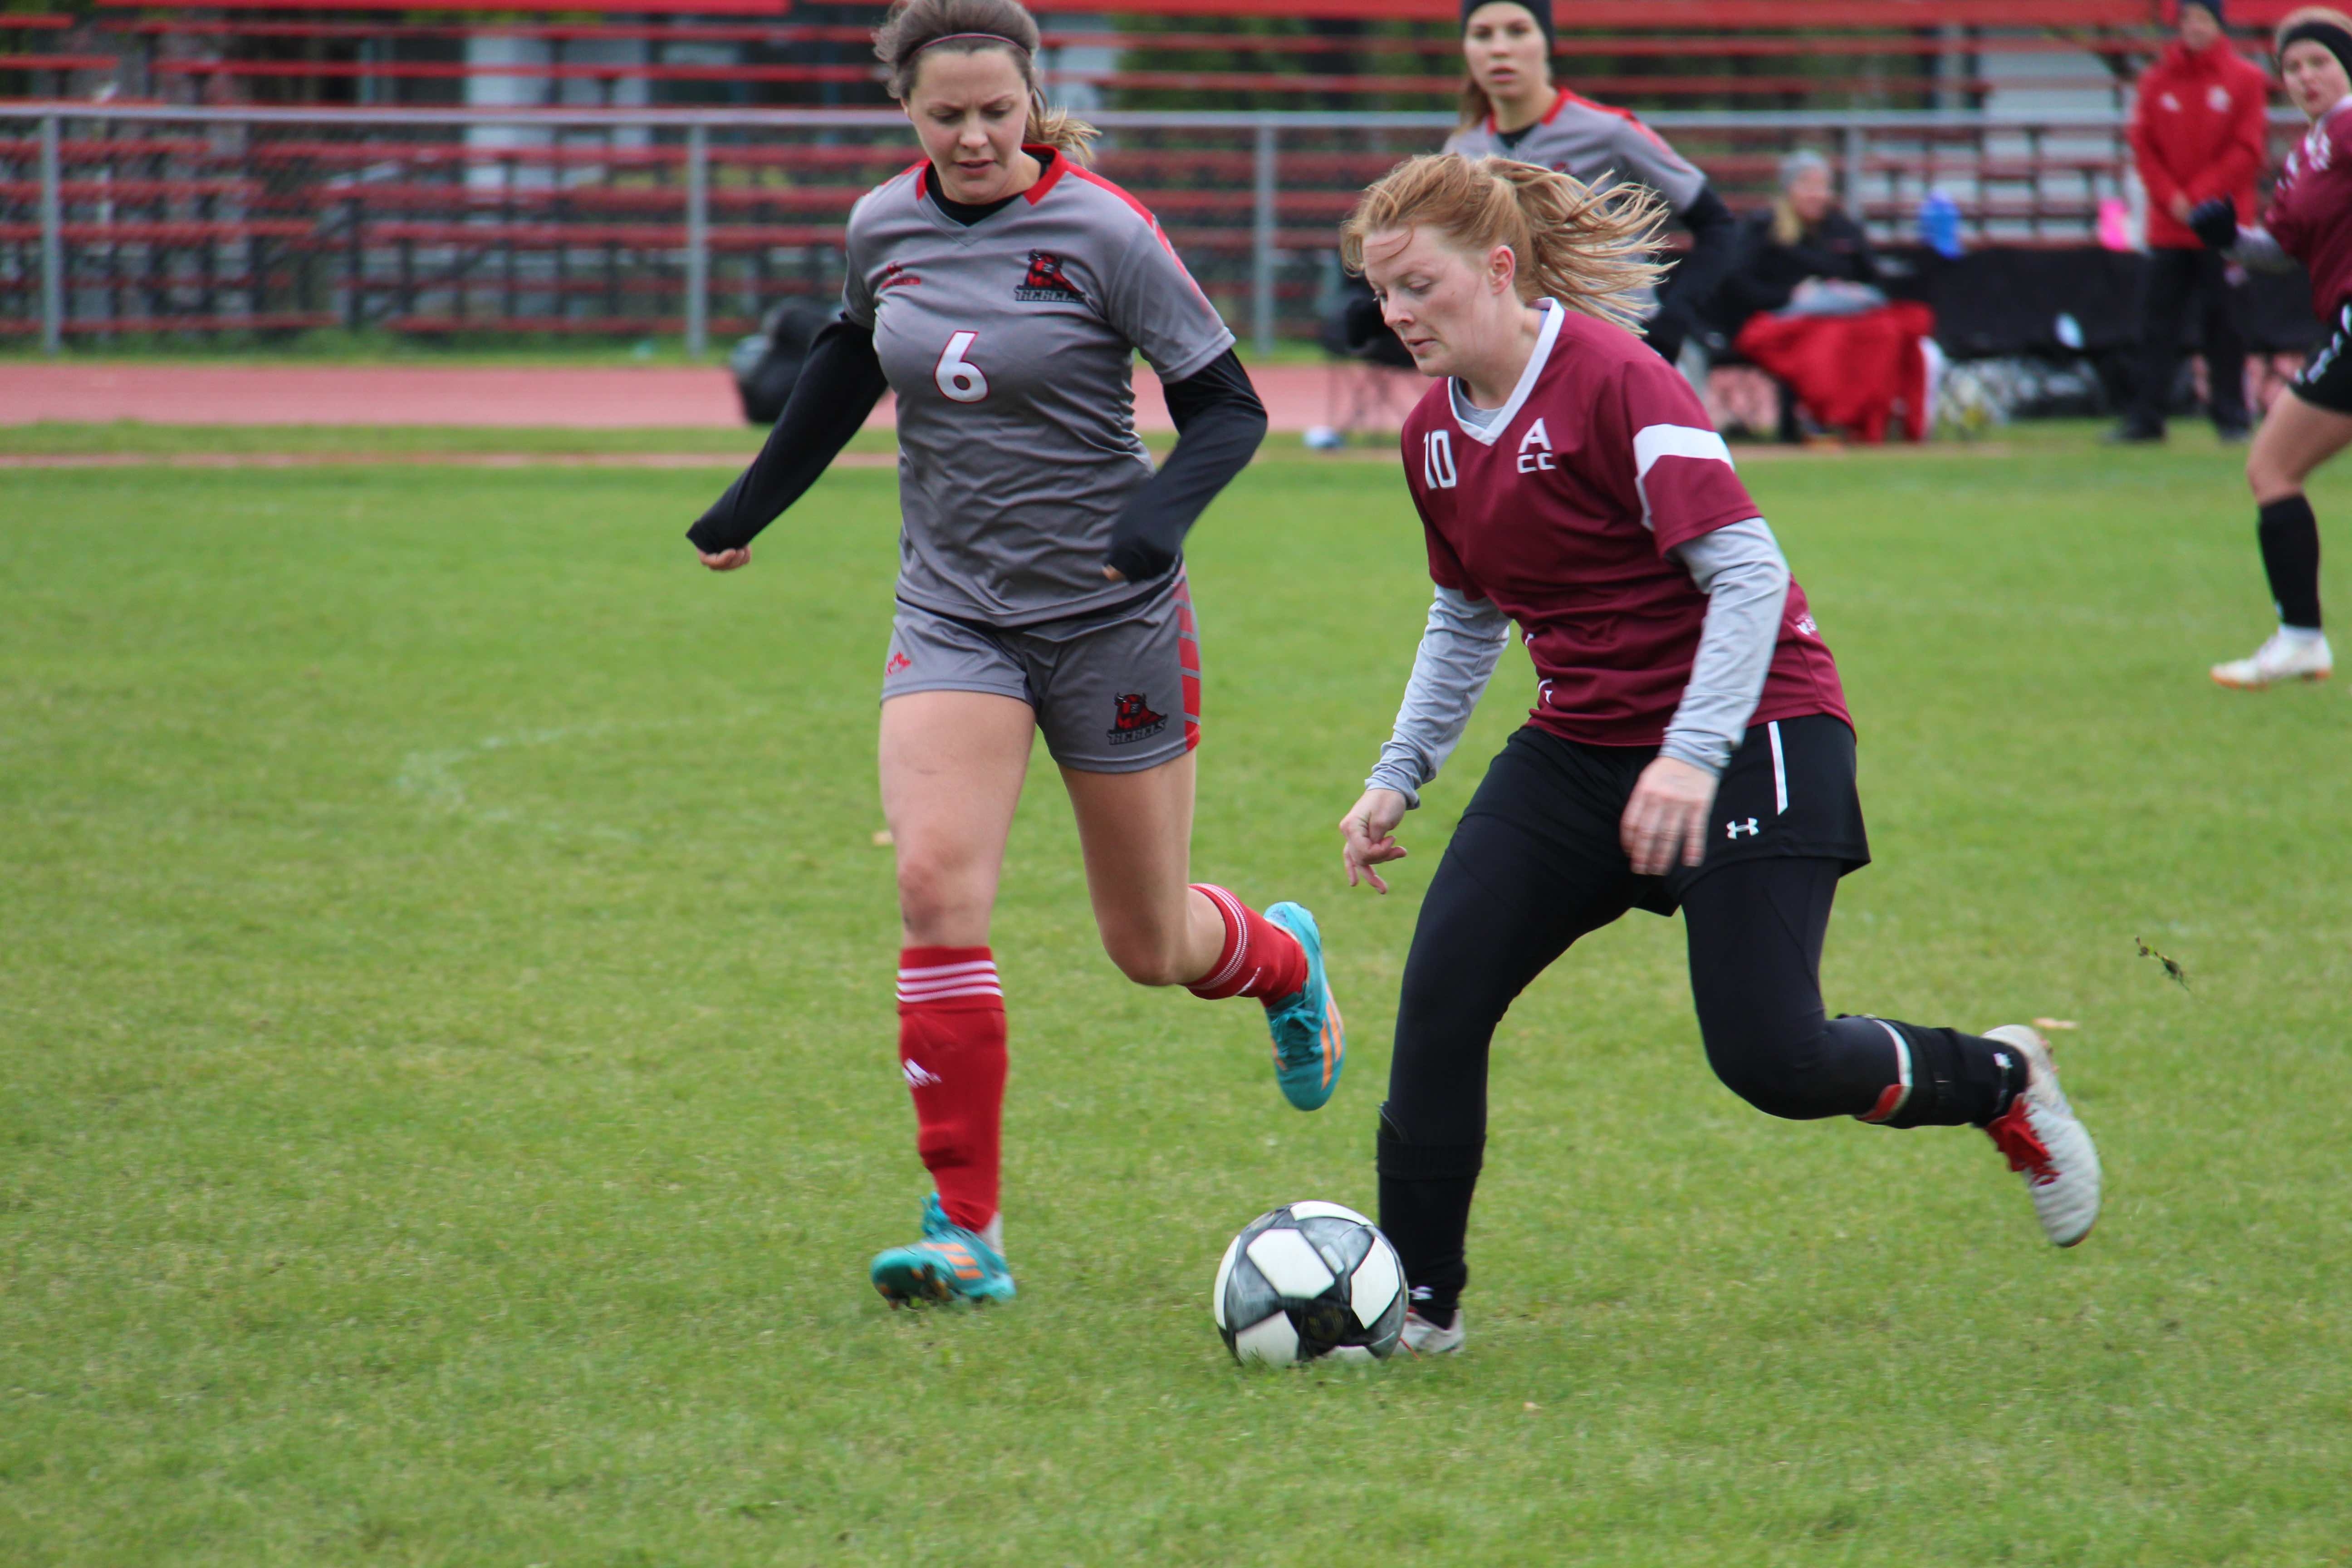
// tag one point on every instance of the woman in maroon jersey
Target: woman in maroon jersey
(1689, 744)
(2309, 221)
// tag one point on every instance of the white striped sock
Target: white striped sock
(940, 981)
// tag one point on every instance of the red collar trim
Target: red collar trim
(1051, 157)
(1056, 163)
(1558, 103)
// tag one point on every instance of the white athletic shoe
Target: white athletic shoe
(1422, 1336)
(2046, 1141)
(2285, 657)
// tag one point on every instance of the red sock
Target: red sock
(1259, 959)
(951, 1050)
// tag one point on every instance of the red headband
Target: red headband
(952, 38)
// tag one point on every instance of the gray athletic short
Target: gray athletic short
(1115, 692)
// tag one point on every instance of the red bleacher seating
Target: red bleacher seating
(427, 230)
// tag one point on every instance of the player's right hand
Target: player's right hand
(727, 560)
(1370, 829)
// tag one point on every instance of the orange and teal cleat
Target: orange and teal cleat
(1310, 1041)
(950, 1264)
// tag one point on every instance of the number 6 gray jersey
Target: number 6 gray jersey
(1010, 345)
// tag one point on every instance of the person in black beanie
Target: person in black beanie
(1512, 108)
(2309, 221)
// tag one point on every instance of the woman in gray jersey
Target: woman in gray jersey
(1000, 290)
(1512, 108)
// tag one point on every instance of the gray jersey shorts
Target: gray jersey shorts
(1115, 692)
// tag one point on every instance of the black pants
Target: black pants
(1535, 864)
(2177, 281)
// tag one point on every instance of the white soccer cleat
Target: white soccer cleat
(2285, 657)
(1421, 1337)
(2046, 1142)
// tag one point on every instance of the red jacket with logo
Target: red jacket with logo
(2199, 131)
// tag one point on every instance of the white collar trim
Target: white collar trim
(1545, 337)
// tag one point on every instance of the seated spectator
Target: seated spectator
(1801, 237)
(1802, 301)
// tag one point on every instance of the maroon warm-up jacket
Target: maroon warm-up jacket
(2199, 131)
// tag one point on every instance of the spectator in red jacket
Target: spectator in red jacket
(2199, 131)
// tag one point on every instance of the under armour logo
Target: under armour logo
(917, 1076)
(1733, 829)
(2000, 1060)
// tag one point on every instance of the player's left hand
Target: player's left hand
(1370, 829)
(727, 560)
(1667, 814)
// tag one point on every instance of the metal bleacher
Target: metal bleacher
(615, 166)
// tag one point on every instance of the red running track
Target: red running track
(577, 399)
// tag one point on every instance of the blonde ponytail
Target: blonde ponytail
(1591, 250)
(1059, 129)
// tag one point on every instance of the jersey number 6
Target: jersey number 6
(959, 380)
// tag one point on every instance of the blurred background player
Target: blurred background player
(1689, 744)
(1002, 291)
(1512, 108)
(2309, 221)
(2199, 132)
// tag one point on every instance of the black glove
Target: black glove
(2215, 221)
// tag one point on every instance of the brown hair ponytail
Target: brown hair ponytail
(1588, 249)
(966, 28)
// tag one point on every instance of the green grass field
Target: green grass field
(447, 1096)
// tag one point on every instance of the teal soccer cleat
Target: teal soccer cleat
(1310, 1041)
(950, 1264)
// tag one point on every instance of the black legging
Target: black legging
(1529, 870)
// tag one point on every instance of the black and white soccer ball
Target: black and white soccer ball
(1310, 1281)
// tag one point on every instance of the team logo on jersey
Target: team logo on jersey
(1044, 282)
(2218, 99)
(1132, 719)
(899, 662)
(894, 276)
(1535, 449)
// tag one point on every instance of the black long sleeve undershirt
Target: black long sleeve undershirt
(840, 382)
(1219, 424)
(1714, 245)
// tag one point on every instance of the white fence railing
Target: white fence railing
(118, 219)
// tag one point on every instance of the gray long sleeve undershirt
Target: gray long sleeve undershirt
(2259, 250)
(1745, 581)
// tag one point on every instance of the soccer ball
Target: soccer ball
(1308, 1282)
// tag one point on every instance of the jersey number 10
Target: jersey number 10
(959, 380)
(1438, 461)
